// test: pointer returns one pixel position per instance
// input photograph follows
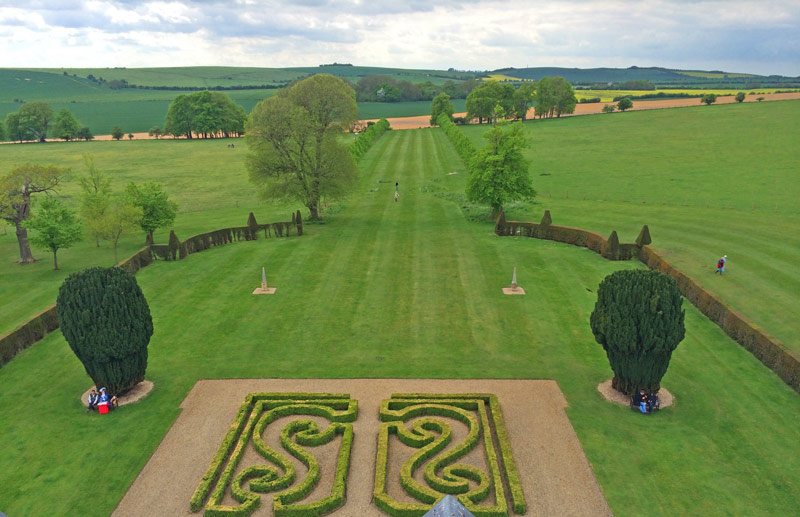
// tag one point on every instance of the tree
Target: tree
(56, 227)
(205, 115)
(16, 189)
(708, 98)
(96, 197)
(105, 318)
(609, 108)
(441, 105)
(84, 133)
(554, 97)
(740, 97)
(625, 103)
(155, 131)
(157, 209)
(295, 147)
(2, 132)
(638, 320)
(499, 171)
(120, 217)
(117, 133)
(34, 120)
(481, 101)
(523, 98)
(66, 126)
(130, 136)
(15, 133)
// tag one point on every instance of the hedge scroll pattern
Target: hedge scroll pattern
(277, 475)
(486, 483)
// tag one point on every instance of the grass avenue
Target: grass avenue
(411, 290)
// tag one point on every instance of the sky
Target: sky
(760, 37)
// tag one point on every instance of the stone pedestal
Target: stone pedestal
(514, 289)
(264, 289)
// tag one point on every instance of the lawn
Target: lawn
(708, 181)
(408, 289)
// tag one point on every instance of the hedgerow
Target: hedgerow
(462, 144)
(364, 141)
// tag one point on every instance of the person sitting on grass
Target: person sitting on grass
(643, 401)
(113, 403)
(94, 398)
(653, 403)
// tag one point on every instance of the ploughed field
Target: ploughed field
(412, 290)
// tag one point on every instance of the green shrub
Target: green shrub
(639, 322)
(106, 321)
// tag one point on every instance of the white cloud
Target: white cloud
(736, 35)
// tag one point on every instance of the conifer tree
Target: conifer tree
(639, 322)
(105, 319)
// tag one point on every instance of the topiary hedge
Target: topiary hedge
(258, 411)
(429, 433)
(106, 320)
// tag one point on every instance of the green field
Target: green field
(608, 95)
(101, 108)
(412, 289)
(709, 182)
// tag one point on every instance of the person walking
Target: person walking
(396, 191)
(721, 264)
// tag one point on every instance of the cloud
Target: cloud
(472, 34)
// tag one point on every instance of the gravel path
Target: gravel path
(556, 477)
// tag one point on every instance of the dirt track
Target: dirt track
(554, 472)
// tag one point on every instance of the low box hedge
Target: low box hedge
(258, 411)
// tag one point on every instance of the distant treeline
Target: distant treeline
(382, 88)
(118, 84)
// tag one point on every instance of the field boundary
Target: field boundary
(767, 349)
(36, 328)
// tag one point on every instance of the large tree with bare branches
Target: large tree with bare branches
(16, 189)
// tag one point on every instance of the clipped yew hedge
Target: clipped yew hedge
(769, 350)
